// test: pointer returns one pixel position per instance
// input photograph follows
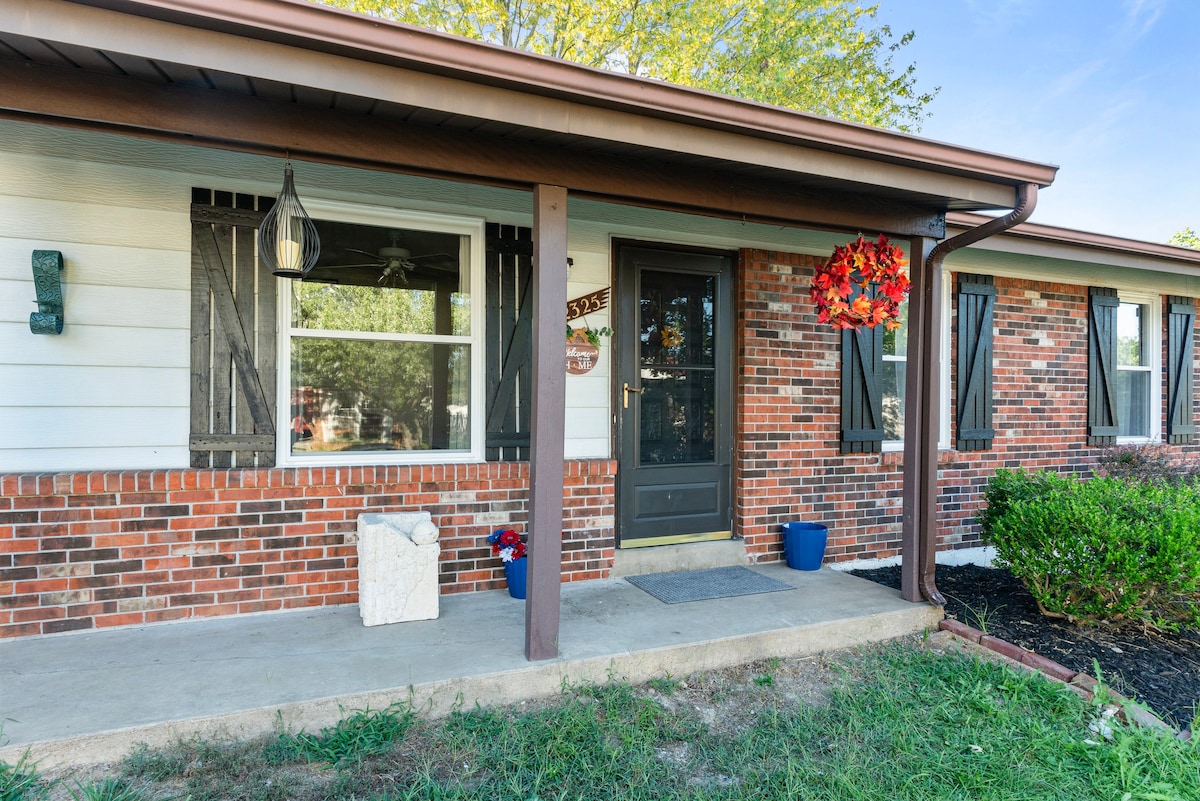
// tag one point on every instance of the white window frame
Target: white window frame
(1152, 350)
(893, 445)
(471, 227)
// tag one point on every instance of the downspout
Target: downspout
(927, 545)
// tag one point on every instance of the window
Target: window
(1137, 370)
(1124, 367)
(895, 358)
(894, 374)
(381, 342)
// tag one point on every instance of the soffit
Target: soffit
(336, 76)
(1065, 244)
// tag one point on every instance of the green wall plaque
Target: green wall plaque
(47, 282)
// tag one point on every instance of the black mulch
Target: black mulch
(1157, 669)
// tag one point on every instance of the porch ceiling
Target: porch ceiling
(287, 66)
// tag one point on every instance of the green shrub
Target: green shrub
(1104, 549)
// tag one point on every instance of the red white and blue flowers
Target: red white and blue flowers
(506, 544)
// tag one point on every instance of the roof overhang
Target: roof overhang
(276, 75)
(1066, 244)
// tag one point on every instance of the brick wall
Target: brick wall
(80, 551)
(91, 550)
(787, 464)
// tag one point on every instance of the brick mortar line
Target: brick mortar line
(1082, 683)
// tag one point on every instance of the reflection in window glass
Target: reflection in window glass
(678, 410)
(1129, 335)
(1133, 379)
(380, 342)
(895, 359)
(678, 402)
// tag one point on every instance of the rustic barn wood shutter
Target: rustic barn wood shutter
(233, 334)
(862, 390)
(976, 305)
(1181, 322)
(509, 311)
(1102, 366)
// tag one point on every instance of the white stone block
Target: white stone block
(397, 567)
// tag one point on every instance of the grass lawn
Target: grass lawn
(893, 722)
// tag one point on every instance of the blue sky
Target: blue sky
(1105, 89)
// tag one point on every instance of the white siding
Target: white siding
(112, 392)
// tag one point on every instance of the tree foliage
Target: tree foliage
(827, 57)
(1185, 238)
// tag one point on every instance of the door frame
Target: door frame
(625, 288)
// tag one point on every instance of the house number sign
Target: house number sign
(582, 355)
(591, 302)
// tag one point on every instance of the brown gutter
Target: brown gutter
(1086, 239)
(927, 469)
(322, 29)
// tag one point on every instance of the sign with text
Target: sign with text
(582, 355)
(591, 302)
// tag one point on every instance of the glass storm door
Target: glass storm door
(673, 400)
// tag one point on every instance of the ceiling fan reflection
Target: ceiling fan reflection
(395, 262)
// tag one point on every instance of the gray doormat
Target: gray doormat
(701, 585)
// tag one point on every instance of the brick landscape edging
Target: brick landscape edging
(1081, 683)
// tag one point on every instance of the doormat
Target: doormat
(701, 585)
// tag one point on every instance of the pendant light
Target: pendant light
(287, 239)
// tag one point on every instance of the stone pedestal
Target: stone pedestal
(397, 567)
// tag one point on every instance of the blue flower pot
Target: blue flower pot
(516, 574)
(804, 545)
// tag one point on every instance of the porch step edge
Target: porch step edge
(540, 680)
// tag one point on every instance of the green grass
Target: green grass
(899, 722)
(21, 782)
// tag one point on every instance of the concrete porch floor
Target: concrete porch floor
(86, 698)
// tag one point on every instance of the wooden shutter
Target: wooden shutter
(862, 391)
(1181, 322)
(233, 334)
(1102, 366)
(976, 304)
(509, 311)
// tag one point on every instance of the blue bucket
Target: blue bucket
(516, 574)
(804, 545)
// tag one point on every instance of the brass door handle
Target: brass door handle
(625, 390)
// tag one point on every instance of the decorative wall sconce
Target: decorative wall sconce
(47, 282)
(287, 239)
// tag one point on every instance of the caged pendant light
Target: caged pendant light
(287, 239)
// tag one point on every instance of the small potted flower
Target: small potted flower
(507, 544)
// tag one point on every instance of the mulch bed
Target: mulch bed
(1160, 670)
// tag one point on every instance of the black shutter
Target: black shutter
(233, 334)
(862, 391)
(976, 304)
(1102, 366)
(509, 259)
(1181, 321)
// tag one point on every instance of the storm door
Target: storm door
(673, 399)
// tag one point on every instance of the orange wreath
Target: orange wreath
(877, 269)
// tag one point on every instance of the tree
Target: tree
(1185, 238)
(823, 56)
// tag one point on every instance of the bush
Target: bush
(1146, 463)
(1104, 549)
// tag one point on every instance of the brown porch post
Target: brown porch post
(547, 422)
(922, 389)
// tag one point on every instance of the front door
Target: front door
(673, 399)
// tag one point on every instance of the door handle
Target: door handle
(625, 390)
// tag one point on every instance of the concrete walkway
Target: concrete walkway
(84, 698)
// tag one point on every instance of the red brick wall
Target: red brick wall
(80, 551)
(90, 550)
(787, 464)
